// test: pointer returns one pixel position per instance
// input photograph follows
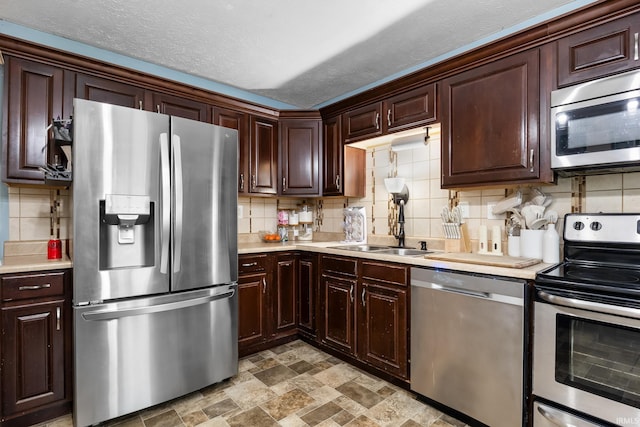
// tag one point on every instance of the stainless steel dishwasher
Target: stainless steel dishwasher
(467, 343)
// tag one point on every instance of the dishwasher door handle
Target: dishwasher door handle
(489, 296)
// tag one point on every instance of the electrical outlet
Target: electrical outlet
(240, 211)
(464, 209)
(491, 215)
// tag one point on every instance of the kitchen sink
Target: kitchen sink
(361, 248)
(403, 251)
(389, 250)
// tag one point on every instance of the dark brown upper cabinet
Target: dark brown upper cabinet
(109, 91)
(344, 167)
(414, 108)
(263, 156)
(490, 124)
(603, 50)
(239, 121)
(299, 172)
(178, 106)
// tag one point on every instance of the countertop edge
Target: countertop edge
(527, 273)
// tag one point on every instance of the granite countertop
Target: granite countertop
(23, 261)
(528, 273)
(28, 256)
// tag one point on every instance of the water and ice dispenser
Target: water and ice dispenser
(127, 237)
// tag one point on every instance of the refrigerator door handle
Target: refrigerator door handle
(165, 174)
(101, 315)
(178, 191)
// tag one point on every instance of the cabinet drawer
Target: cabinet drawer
(385, 272)
(32, 286)
(340, 266)
(252, 264)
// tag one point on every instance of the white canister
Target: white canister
(531, 243)
(551, 245)
(513, 245)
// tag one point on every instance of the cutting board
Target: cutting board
(492, 260)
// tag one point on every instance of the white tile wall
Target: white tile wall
(29, 207)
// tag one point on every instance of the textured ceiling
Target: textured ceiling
(303, 53)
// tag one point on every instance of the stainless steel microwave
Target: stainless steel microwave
(596, 125)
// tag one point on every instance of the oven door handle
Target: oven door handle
(562, 419)
(633, 313)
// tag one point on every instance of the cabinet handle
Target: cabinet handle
(635, 47)
(253, 182)
(158, 108)
(264, 285)
(338, 182)
(531, 157)
(377, 121)
(140, 104)
(241, 182)
(351, 293)
(284, 184)
(57, 318)
(34, 287)
(389, 117)
(364, 303)
(250, 264)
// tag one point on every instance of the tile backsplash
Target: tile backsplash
(29, 208)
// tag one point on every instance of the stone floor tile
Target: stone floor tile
(362, 421)
(166, 419)
(321, 413)
(324, 394)
(220, 408)
(336, 375)
(301, 366)
(275, 375)
(194, 418)
(252, 417)
(306, 383)
(343, 417)
(250, 393)
(287, 404)
(360, 394)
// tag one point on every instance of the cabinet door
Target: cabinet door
(33, 97)
(382, 327)
(252, 290)
(109, 91)
(235, 120)
(362, 123)
(606, 49)
(179, 107)
(285, 295)
(332, 157)
(411, 109)
(338, 329)
(300, 157)
(263, 156)
(490, 123)
(33, 356)
(307, 294)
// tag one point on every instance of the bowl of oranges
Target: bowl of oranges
(269, 236)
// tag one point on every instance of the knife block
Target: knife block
(462, 244)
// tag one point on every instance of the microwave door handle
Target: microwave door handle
(590, 305)
(179, 199)
(165, 174)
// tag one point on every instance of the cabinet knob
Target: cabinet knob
(635, 47)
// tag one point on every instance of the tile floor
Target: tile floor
(291, 385)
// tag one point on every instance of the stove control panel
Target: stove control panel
(600, 227)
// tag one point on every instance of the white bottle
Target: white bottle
(551, 245)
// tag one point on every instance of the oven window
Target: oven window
(602, 127)
(600, 358)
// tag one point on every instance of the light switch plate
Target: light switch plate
(240, 211)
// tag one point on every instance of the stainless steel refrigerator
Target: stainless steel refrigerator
(155, 258)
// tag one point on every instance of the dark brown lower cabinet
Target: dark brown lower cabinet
(365, 315)
(307, 294)
(267, 300)
(36, 347)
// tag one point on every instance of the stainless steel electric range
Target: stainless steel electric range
(586, 342)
